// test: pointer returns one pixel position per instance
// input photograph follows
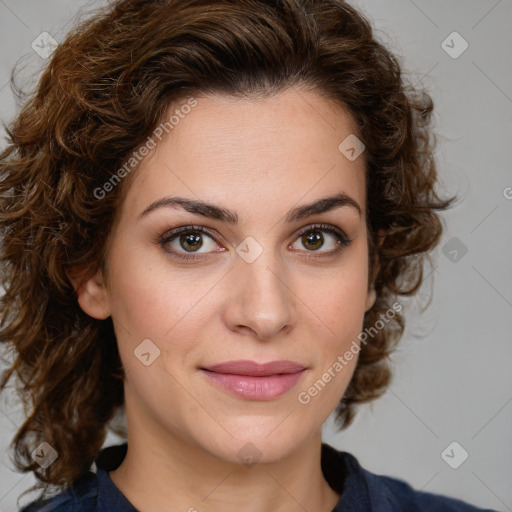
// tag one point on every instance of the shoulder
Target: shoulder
(81, 497)
(93, 492)
(373, 492)
(388, 493)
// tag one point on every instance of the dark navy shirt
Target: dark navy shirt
(361, 490)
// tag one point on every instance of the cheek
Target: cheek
(341, 306)
(343, 293)
(171, 307)
(149, 296)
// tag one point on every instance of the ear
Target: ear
(91, 293)
(372, 295)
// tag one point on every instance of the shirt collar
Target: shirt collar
(341, 470)
(110, 498)
(344, 474)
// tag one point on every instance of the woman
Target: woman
(205, 207)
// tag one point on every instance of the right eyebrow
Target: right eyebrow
(205, 209)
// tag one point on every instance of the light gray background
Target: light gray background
(452, 371)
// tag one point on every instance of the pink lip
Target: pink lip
(244, 367)
(254, 381)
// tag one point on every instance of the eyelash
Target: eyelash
(170, 236)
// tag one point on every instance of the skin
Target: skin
(259, 158)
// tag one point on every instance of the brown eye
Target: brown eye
(186, 243)
(191, 241)
(313, 240)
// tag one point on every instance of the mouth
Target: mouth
(255, 381)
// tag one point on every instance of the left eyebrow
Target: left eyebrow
(323, 205)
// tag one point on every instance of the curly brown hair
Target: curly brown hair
(105, 89)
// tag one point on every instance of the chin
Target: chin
(249, 445)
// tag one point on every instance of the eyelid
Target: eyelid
(190, 227)
(213, 232)
(342, 238)
(324, 227)
(168, 236)
(171, 234)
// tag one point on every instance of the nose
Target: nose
(262, 302)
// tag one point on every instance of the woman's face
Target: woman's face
(265, 284)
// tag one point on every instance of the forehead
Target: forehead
(239, 152)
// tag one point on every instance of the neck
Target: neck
(178, 476)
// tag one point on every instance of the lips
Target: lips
(253, 381)
(251, 368)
